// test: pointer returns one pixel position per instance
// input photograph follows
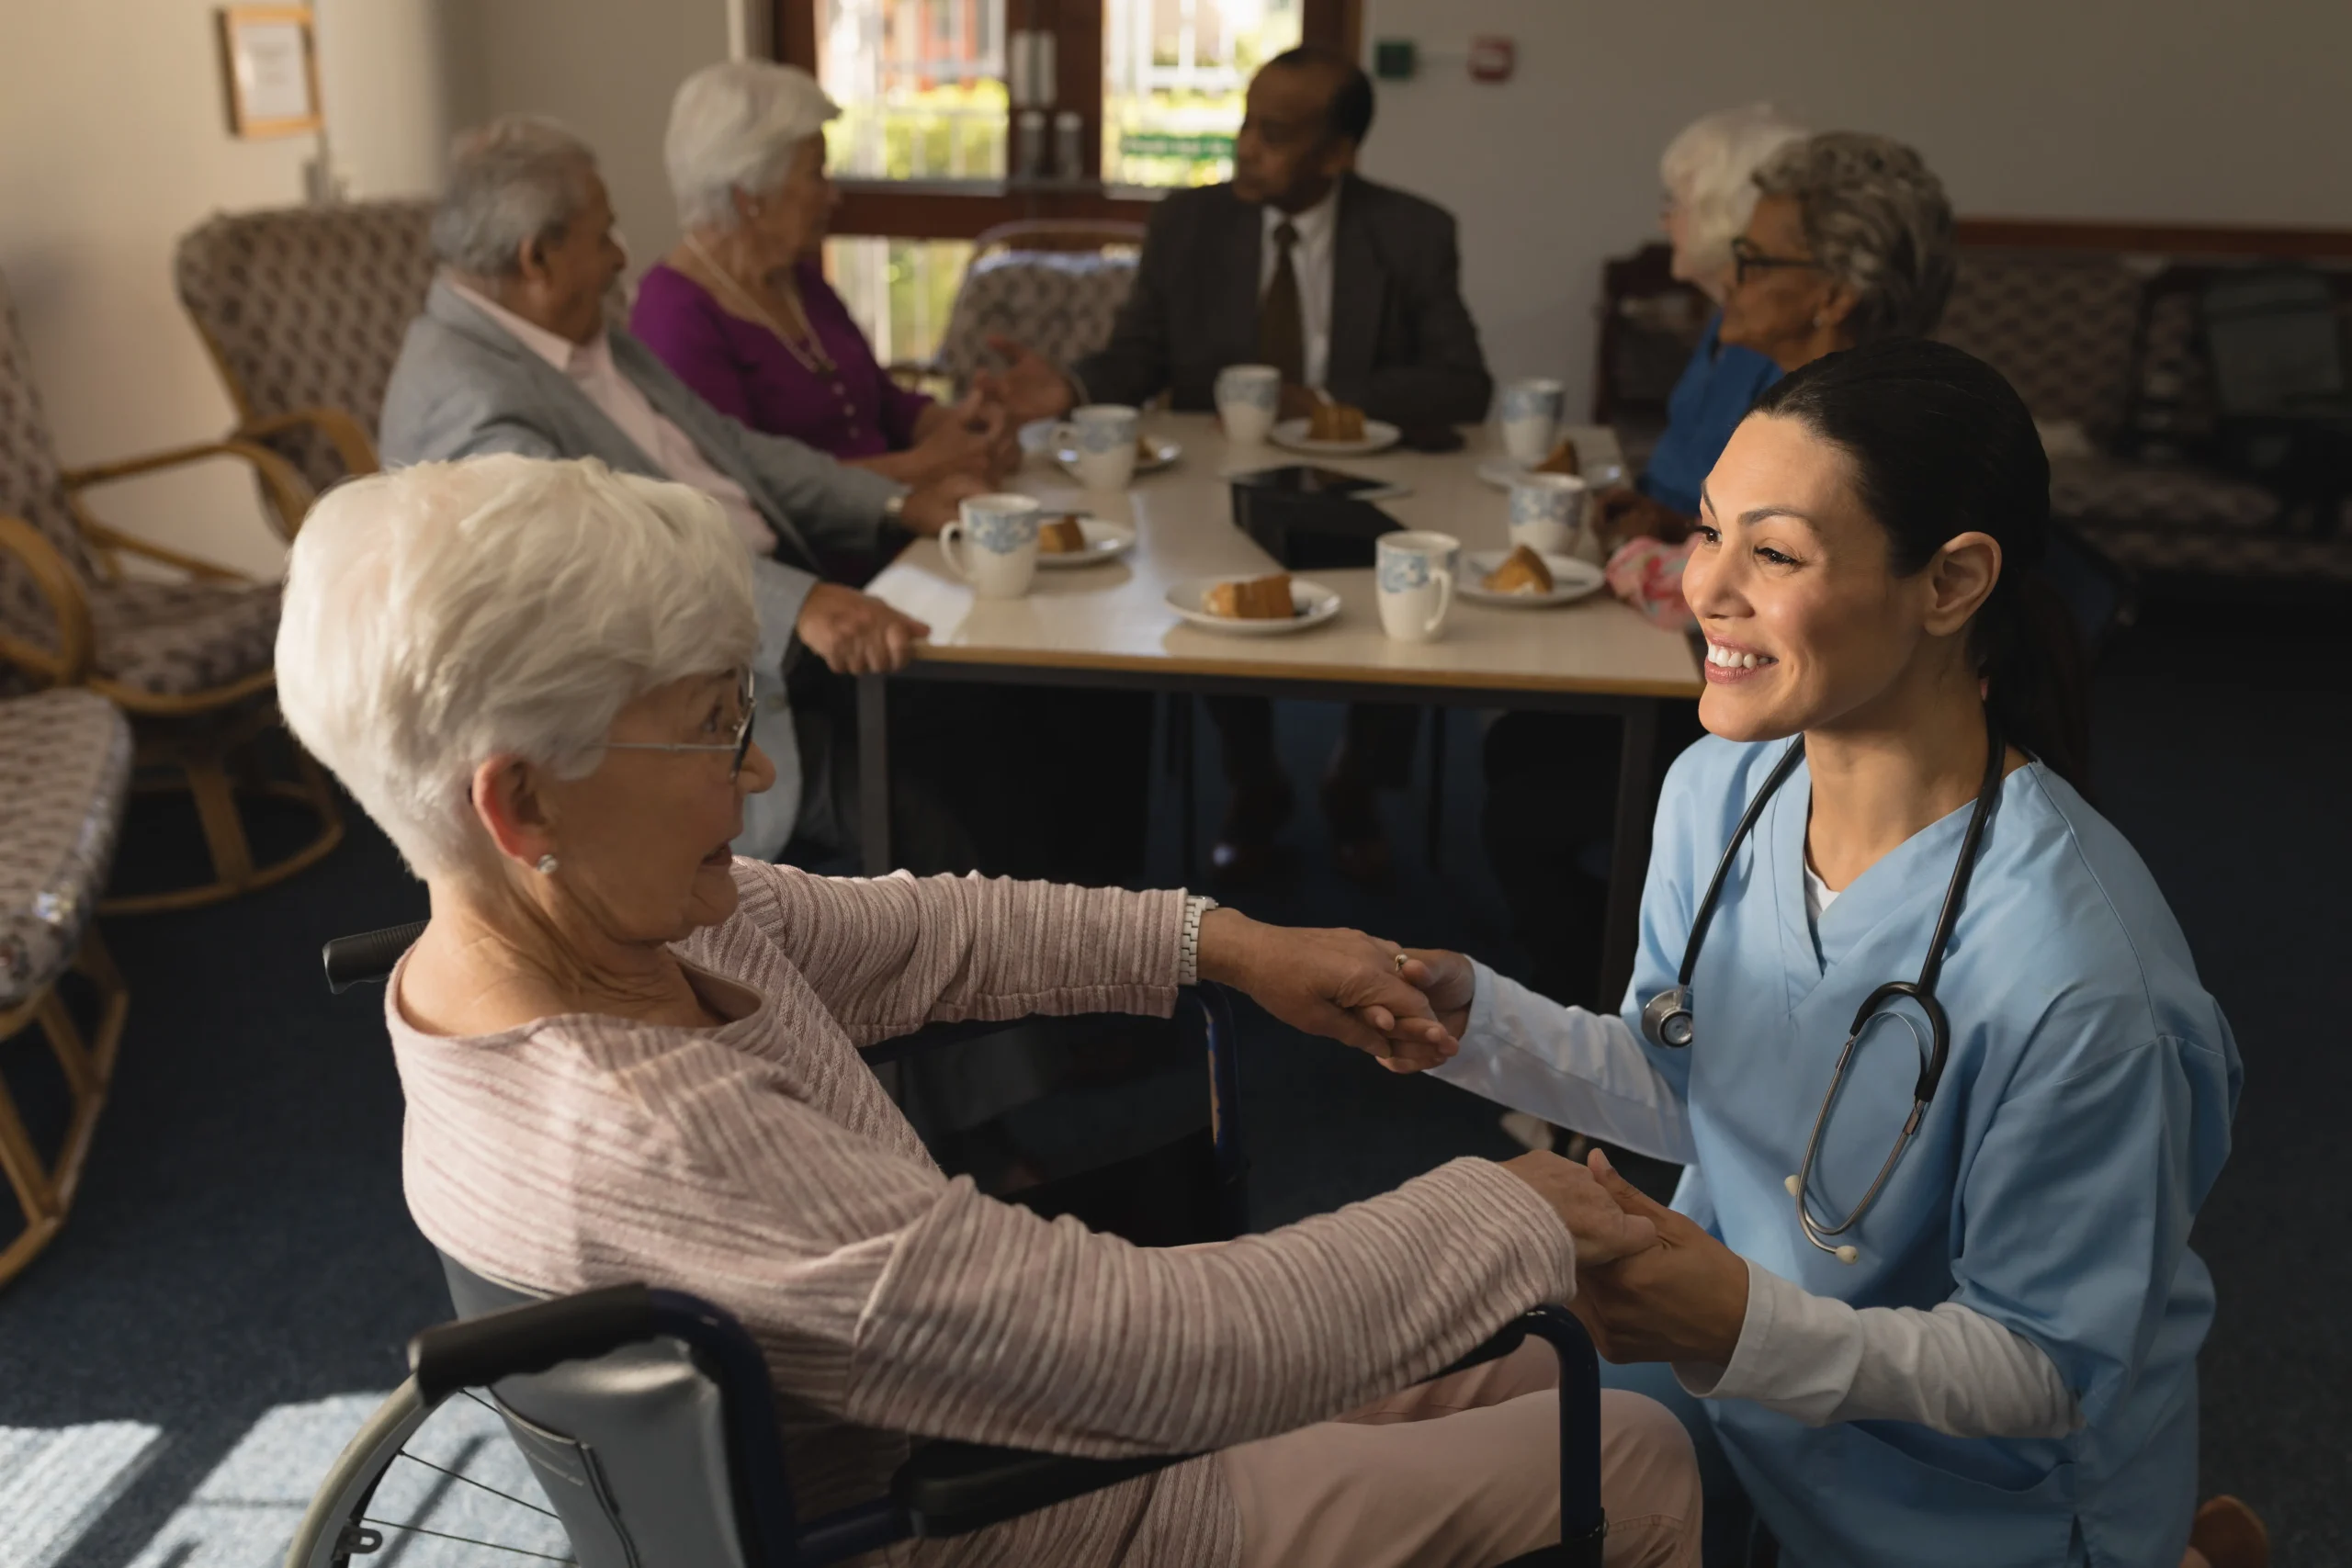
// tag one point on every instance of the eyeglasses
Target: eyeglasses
(1745, 258)
(740, 746)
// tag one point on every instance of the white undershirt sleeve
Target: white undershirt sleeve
(1574, 1069)
(1950, 1368)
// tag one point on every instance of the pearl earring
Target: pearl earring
(546, 865)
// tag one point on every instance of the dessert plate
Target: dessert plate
(1104, 541)
(1571, 580)
(1311, 604)
(1378, 436)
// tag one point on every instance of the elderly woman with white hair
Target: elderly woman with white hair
(740, 310)
(627, 1055)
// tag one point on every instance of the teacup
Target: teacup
(1531, 419)
(1103, 437)
(1248, 397)
(993, 543)
(1415, 575)
(1547, 512)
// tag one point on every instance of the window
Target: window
(925, 147)
(1173, 75)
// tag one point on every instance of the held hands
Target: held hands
(1028, 386)
(1342, 985)
(974, 437)
(1622, 513)
(1603, 1232)
(857, 634)
(1683, 1300)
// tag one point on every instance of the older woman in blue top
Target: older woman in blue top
(1709, 174)
(1939, 1316)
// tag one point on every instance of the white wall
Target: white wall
(114, 141)
(606, 68)
(2162, 109)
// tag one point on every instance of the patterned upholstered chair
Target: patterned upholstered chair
(190, 659)
(65, 770)
(1056, 287)
(303, 310)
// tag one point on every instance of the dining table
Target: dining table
(1111, 623)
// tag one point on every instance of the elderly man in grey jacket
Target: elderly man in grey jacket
(513, 354)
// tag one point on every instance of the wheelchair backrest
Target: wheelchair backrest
(630, 1448)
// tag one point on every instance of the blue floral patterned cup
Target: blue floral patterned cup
(1415, 577)
(1547, 512)
(1248, 397)
(1531, 418)
(993, 543)
(1100, 438)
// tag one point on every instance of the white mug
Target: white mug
(993, 545)
(1416, 572)
(1547, 512)
(1531, 419)
(1248, 397)
(1103, 437)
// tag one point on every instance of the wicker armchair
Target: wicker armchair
(1055, 286)
(189, 659)
(65, 769)
(303, 310)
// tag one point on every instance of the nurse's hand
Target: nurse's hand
(1603, 1232)
(1447, 980)
(1683, 1300)
(1342, 985)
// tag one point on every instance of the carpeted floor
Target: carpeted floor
(240, 1252)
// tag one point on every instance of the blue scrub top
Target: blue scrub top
(1707, 405)
(2081, 1117)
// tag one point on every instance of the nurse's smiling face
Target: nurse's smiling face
(1808, 624)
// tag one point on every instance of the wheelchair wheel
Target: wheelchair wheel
(428, 1485)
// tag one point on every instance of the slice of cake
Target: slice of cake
(1061, 535)
(1147, 449)
(1253, 599)
(1563, 460)
(1335, 421)
(1521, 572)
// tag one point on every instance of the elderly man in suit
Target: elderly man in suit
(1349, 287)
(513, 354)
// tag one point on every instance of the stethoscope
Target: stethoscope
(1667, 1017)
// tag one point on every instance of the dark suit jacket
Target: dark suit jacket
(1403, 346)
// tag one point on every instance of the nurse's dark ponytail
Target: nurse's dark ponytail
(1941, 446)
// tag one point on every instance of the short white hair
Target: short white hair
(519, 179)
(441, 614)
(1709, 170)
(738, 126)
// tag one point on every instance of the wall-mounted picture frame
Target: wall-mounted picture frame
(271, 64)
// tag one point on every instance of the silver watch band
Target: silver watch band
(1188, 962)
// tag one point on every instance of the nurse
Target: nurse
(1986, 1356)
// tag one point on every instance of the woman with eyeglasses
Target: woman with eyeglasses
(1847, 241)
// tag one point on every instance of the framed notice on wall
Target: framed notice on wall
(272, 70)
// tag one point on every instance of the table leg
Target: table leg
(1437, 782)
(873, 774)
(1629, 847)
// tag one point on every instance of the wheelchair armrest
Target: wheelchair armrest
(950, 1488)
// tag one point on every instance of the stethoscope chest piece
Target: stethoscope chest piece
(1666, 1018)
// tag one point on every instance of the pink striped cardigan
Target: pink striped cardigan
(761, 1165)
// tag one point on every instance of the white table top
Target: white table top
(1114, 615)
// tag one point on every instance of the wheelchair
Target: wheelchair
(647, 1417)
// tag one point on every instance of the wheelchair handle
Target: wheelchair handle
(368, 956)
(479, 1351)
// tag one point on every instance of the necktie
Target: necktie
(1282, 324)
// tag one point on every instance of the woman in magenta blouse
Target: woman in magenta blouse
(740, 310)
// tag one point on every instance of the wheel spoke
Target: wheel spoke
(470, 1540)
(480, 1486)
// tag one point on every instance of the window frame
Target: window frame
(963, 210)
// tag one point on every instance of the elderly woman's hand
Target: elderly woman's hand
(1028, 386)
(1340, 983)
(1684, 1299)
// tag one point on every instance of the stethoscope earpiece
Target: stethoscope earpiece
(1850, 1255)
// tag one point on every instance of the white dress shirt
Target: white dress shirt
(1311, 262)
(591, 368)
(1814, 1358)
